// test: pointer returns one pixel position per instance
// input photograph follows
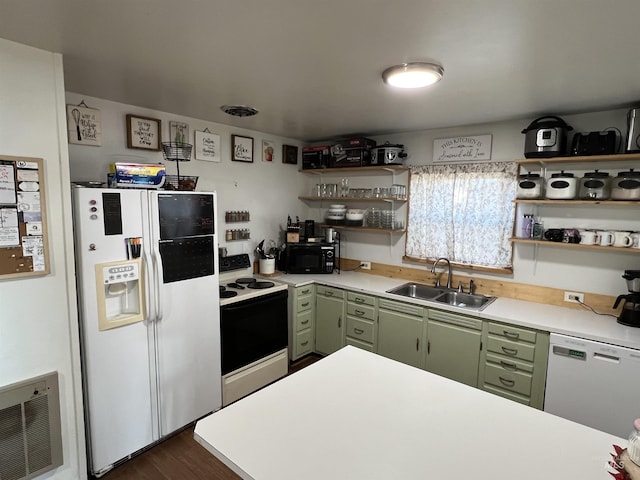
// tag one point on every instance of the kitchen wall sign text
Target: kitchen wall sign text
(462, 149)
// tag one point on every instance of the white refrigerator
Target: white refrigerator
(147, 273)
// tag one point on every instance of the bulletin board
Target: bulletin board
(23, 227)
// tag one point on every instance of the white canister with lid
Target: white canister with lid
(626, 186)
(530, 185)
(562, 186)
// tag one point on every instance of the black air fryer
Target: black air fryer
(546, 137)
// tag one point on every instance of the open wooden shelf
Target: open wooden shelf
(354, 199)
(584, 159)
(548, 243)
(564, 203)
(371, 169)
(363, 229)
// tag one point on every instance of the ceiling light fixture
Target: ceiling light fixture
(413, 75)
(239, 110)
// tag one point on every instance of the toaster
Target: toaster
(594, 143)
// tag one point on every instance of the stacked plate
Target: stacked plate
(336, 214)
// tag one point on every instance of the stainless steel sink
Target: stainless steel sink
(466, 300)
(417, 290)
(442, 295)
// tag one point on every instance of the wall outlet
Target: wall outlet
(573, 297)
(365, 265)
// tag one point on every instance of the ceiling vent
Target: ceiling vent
(239, 110)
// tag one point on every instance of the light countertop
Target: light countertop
(551, 318)
(356, 415)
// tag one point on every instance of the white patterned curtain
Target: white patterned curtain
(463, 212)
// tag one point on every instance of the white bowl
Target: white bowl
(337, 207)
(354, 216)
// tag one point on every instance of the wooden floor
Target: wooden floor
(181, 457)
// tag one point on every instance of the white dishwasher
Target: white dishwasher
(593, 383)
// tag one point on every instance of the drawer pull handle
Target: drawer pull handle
(417, 344)
(358, 331)
(508, 366)
(305, 304)
(304, 344)
(510, 351)
(358, 300)
(514, 335)
(507, 382)
(329, 294)
(358, 312)
(340, 322)
(305, 322)
(304, 292)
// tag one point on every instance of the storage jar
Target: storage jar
(626, 186)
(633, 449)
(530, 185)
(595, 186)
(562, 186)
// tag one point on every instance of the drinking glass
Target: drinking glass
(344, 187)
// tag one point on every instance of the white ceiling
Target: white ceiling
(312, 67)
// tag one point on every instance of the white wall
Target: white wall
(38, 325)
(268, 190)
(577, 270)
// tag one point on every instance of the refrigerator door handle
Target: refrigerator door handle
(156, 285)
(150, 286)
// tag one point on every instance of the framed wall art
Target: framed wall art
(143, 133)
(463, 149)
(178, 132)
(268, 149)
(207, 146)
(241, 149)
(84, 125)
(290, 154)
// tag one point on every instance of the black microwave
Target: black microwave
(309, 258)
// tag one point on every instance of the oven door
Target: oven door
(252, 329)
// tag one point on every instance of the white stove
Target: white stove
(253, 329)
(237, 282)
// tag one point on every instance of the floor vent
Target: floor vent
(30, 436)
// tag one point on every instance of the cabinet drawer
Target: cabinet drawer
(509, 364)
(360, 329)
(400, 307)
(357, 343)
(514, 381)
(512, 333)
(306, 290)
(304, 303)
(454, 319)
(506, 347)
(303, 342)
(361, 311)
(304, 320)
(360, 299)
(506, 394)
(329, 291)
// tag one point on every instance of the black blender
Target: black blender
(630, 314)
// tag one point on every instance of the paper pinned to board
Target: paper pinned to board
(29, 201)
(7, 185)
(32, 246)
(9, 233)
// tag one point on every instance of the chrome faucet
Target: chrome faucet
(433, 269)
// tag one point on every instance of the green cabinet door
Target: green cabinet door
(330, 323)
(453, 346)
(400, 335)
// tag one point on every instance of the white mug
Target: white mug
(588, 237)
(606, 238)
(635, 236)
(621, 239)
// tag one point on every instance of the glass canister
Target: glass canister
(530, 185)
(595, 186)
(562, 186)
(633, 449)
(626, 186)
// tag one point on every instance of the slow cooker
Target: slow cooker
(626, 186)
(388, 154)
(595, 186)
(562, 186)
(530, 185)
(546, 137)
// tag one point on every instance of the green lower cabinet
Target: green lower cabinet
(513, 363)
(401, 332)
(330, 319)
(453, 346)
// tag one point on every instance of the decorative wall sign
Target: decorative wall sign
(178, 132)
(462, 149)
(207, 146)
(268, 149)
(143, 133)
(84, 125)
(290, 154)
(241, 149)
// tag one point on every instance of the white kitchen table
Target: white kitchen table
(359, 416)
